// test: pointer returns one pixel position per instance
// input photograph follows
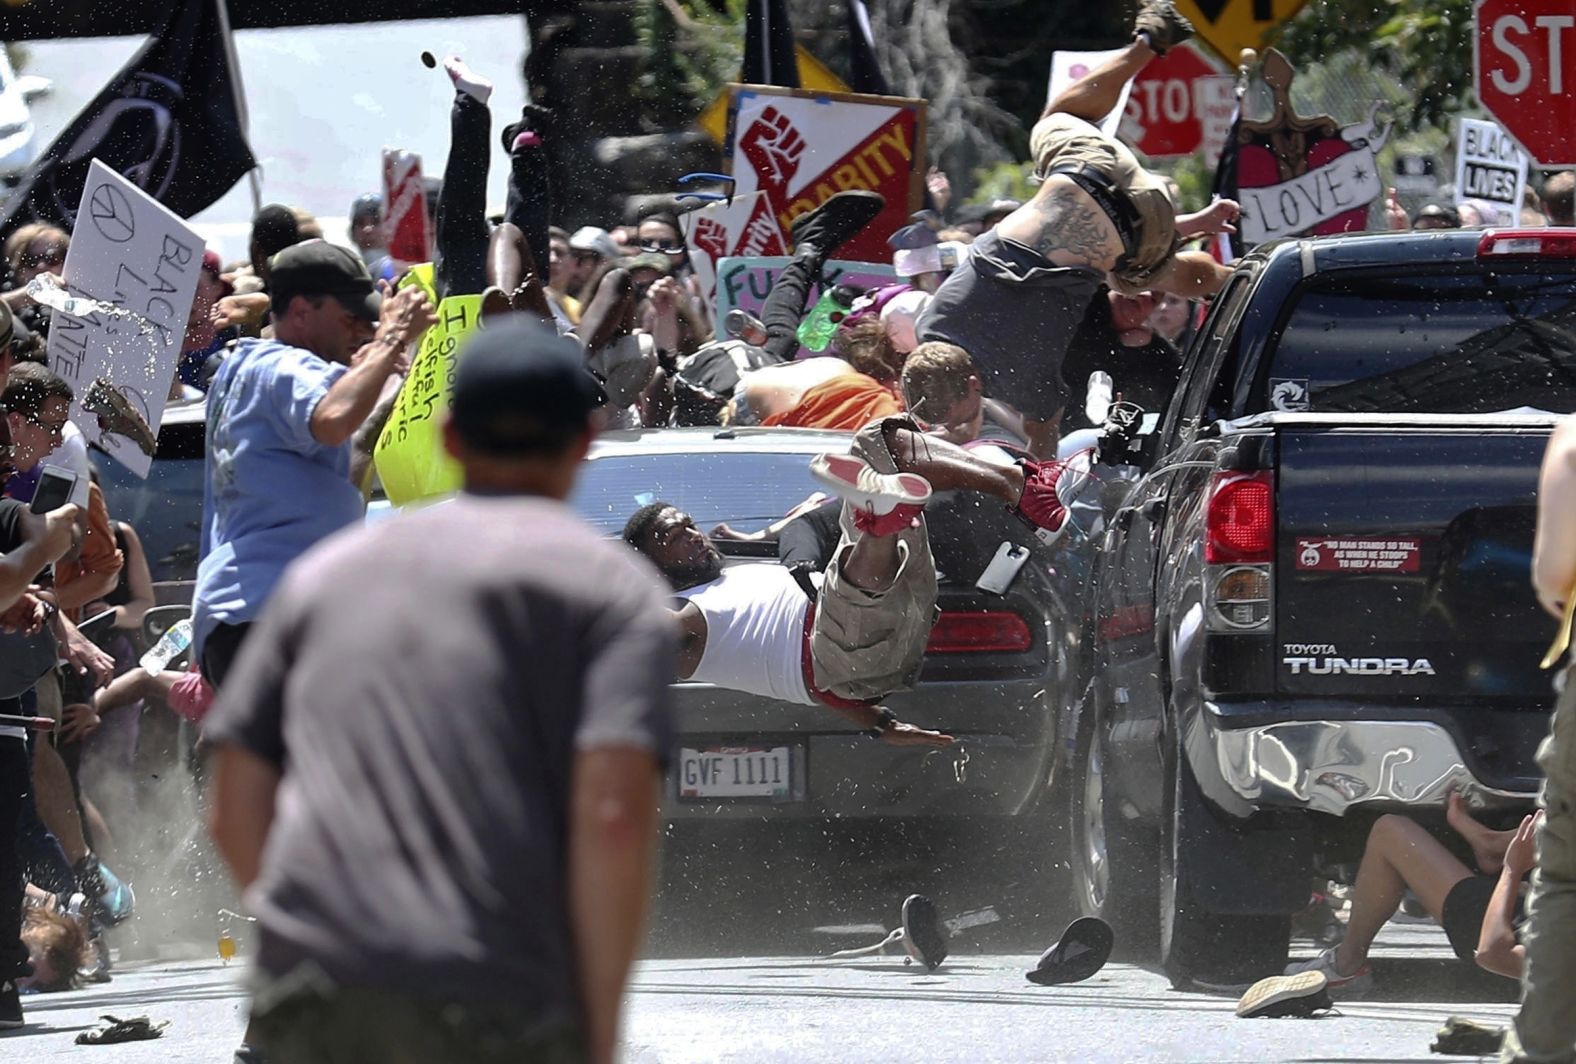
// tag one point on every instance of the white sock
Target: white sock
(467, 80)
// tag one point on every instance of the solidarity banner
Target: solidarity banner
(130, 251)
(405, 220)
(743, 283)
(799, 147)
(745, 227)
(409, 454)
(1490, 168)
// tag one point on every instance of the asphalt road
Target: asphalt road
(977, 1008)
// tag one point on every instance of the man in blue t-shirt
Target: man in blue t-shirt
(281, 414)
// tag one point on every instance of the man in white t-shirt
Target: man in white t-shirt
(754, 628)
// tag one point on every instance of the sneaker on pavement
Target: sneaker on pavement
(1162, 25)
(10, 1005)
(836, 220)
(923, 936)
(1299, 995)
(1324, 963)
(852, 479)
(112, 900)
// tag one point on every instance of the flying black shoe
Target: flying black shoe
(923, 936)
(1299, 995)
(534, 118)
(1081, 952)
(836, 220)
(1162, 25)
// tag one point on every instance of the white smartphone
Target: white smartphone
(1003, 568)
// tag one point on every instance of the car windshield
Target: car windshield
(1463, 343)
(165, 509)
(746, 489)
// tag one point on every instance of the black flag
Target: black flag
(864, 72)
(1227, 247)
(169, 123)
(769, 57)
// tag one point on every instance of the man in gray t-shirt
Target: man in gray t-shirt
(439, 753)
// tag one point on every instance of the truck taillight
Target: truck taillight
(1531, 243)
(1239, 552)
(1239, 518)
(991, 631)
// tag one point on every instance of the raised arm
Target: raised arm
(1497, 949)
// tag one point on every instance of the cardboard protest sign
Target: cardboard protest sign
(800, 147)
(129, 250)
(1299, 175)
(405, 207)
(411, 462)
(743, 283)
(1068, 67)
(1491, 168)
(724, 230)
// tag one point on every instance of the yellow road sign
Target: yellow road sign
(1229, 26)
(813, 74)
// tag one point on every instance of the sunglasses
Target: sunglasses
(662, 247)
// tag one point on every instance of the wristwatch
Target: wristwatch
(885, 719)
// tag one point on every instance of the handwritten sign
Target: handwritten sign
(409, 454)
(744, 282)
(129, 250)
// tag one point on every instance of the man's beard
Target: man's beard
(693, 574)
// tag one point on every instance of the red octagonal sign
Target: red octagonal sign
(1524, 54)
(1167, 108)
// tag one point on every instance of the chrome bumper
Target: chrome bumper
(1330, 766)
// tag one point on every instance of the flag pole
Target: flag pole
(240, 97)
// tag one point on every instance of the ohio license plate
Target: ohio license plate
(736, 772)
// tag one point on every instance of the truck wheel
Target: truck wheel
(1197, 944)
(1113, 870)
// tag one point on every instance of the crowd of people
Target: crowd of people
(443, 818)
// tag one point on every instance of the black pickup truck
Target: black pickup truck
(1310, 601)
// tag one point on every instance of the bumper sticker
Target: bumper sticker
(1359, 555)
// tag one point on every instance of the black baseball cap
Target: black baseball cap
(521, 388)
(318, 268)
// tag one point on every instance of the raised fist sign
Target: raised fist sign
(773, 147)
(711, 237)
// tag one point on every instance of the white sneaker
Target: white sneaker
(1356, 982)
(852, 479)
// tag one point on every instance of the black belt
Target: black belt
(1112, 200)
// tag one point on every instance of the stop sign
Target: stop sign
(1524, 53)
(1172, 102)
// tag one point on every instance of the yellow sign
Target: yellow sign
(813, 75)
(1229, 26)
(409, 455)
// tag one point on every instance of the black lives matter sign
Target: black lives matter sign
(1490, 168)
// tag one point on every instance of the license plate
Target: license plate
(736, 772)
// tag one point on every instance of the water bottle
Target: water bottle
(742, 325)
(171, 646)
(818, 326)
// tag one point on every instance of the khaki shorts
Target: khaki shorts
(1063, 140)
(867, 644)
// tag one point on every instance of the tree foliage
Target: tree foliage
(1425, 45)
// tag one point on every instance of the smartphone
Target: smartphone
(55, 486)
(1003, 568)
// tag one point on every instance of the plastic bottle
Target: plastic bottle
(742, 325)
(818, 326)
(169, 647)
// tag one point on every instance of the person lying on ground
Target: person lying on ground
(1479, 911)
(756, 628)
(1015, 304)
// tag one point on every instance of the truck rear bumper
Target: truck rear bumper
(1331, 765)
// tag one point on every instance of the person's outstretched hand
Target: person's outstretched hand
(1395, 214)
(902, 734)
(240, 310)
(940, 188)
(1217, 218)
(78, 721)
(1522, 853)
(406, 314)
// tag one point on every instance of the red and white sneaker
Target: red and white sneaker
(884, 503)
(1041, 504)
